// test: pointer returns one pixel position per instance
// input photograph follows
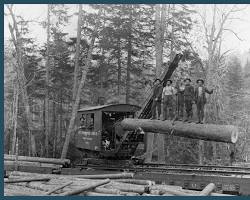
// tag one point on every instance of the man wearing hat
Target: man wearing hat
(188, 99)
(200, 99)
(156, 105)
(168, 95)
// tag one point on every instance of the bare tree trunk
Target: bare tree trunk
(46, 145)
(119, 70)
(129, 58)
(158, 44)
(158, 56)
(15, 112)
(16, 38)
(79, 90)
(61, 115)
(54, 130)
(29, 143)
(160, 24)
(44, 124)
(57, 139)
(172, 53)
(102, 79)
(78, 42)
(128, 72)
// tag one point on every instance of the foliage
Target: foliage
(123, 62)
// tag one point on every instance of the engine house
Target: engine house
(99, 134)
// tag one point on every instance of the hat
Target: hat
(187, 79)
(157, 79)
(169, 81)
(200, 80)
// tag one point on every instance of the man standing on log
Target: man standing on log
(180, 100)
(168, 96)
(188, 99)
(156, 105)
(200, 99)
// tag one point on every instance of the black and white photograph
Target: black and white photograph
(126, 100)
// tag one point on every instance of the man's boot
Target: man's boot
(190, 118)
(185, 120)
(199, 120)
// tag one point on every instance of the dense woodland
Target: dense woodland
(117, 52)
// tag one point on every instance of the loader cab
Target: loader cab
(97, 129)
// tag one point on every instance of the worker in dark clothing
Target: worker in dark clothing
(180, 100)
(168, 96)
(200, 99)
(156, 104)
(188, 99)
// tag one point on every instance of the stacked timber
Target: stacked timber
(122, 184)
(33, 164)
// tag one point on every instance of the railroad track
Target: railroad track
(228, 179)
(201, 166)
(179, 168)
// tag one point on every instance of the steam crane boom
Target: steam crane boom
(145, 111)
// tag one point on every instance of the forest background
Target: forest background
(113, 55)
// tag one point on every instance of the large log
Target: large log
(38, 159)
(106, 190)
(136, 181)
(77, 178)
(169, 190)
(114, 191)
(99, 194)
(126, 187)
(210, 132)
(208, 189)
(41, 170)
(86, 188)
(15, 190)
(26, 180)
(28, 163)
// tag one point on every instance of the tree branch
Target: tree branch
(235, 34)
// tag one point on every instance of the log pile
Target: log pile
(123, 184)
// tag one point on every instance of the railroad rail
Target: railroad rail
(197, 169)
